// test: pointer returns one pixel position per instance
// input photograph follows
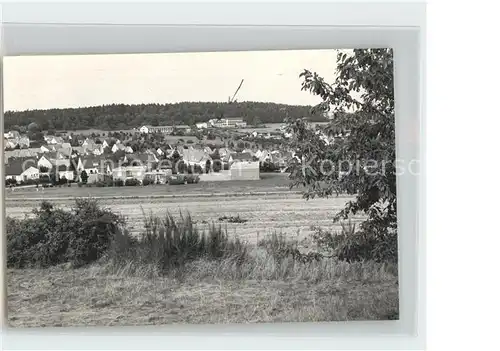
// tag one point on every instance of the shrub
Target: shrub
(29, 182)
(374, 241)
(132, 182)
(147, 181)
(280, 248)
(192, 178)
(268, 167)
(118, 182)
(54, 236)
(108, 181)
(84, 176)
(10, 181)
(44, 179)
(62, 180)
(168, 243)
(177, 179)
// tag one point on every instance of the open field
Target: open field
(266, 206)
(92, 297)
(261, 290)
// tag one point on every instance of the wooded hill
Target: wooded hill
(121, 116)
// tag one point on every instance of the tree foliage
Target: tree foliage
(84, 177)
(355, 153)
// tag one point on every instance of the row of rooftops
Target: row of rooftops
(190, 154)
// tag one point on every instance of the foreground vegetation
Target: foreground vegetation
(207, 293)
(82, 267)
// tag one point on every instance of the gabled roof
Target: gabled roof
(13, 168)
(93, 161)
(194, 155)
(140, 158)
(50, 147)
(119, 146)
(17, 166)
(57, 140)
(64, 152)
(50, 155)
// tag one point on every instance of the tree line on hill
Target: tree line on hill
(121, 116)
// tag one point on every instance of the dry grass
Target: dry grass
(259, 290)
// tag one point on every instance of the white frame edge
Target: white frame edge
(41, 30)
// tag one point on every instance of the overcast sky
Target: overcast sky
(42, 82)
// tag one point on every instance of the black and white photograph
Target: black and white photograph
(201, 188)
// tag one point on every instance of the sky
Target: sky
(44, 82)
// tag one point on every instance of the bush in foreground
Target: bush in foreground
(54, 236)
(168, 243)
(374, 241)
(88, 233)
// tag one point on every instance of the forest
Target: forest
(121, 116)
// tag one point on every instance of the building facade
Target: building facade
(156, 129)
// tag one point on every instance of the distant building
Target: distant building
(129, 172)
(198, 157)
(183, 127)
(245, 170)
(158, 176)
(228, 123)
(156, 129)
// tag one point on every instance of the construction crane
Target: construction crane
(233, 99)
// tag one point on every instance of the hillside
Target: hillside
(121, 116)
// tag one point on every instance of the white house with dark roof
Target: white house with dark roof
(20, 170)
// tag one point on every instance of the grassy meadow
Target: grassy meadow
(82, 265)
(206, 292)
